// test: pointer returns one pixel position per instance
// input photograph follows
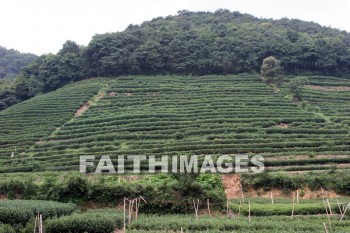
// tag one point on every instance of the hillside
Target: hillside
(11, 61)
(191, 43)
(167, 115)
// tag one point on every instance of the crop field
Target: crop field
(172, 115)
(167, 115)
(26, 123)
(332, 102)
(309, 216)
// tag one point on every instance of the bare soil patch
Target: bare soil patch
(86, 105)
(282, 125)
(232, 184)
(328, 88)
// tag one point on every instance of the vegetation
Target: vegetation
(98, 221)
(11, 61)
(163, 193)
(15, 212)
(197, 43)
(271, 70)
(26, 123)
(169, 115)
(274, 224)
(338, 181)
(295, 86)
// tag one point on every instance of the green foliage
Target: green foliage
(271, 68)
(274, 224)
(338, 181)
(15, 212)
(6, 229)
(98, 221)
(198, 43)
(295, 86)
(214, 115)
(11, 61)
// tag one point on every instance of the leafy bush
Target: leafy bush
(21, 211)
(102, 221)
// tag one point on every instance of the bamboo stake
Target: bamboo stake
(293, 205)
(137, 207)
(143, 199)
(227, 208)
(208, 203)
(325, 227)
(124, 214)
(298, 196)
(196, 208)
(322, 193)
(330, 209)
(181, 230)
(239, 208)
(271, 198)
(41, 223)
(249, 211)
(344, 212)
(242, 192)
(340, 210)
(329, 220)
(36, 220)
(131, 205)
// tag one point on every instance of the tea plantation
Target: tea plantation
(168, 115)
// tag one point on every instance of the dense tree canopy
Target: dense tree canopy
(197, 43)
(11, 61)
(221, 42)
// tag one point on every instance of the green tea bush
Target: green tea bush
(102, 221)
(21, 211)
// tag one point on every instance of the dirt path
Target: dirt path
(87, 105)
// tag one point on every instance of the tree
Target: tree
(295, 86)
(271, 68)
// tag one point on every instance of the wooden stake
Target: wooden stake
(181, 230)
(242, 192)
(340, 210)
(137, 207)
(196, 208)
(271, 198)
(208, 203)
(325, 227)
(344, 212)
(298, 196)
(239, 208)
(131, 205)
(330, 209)
(293, 205)
(143, 199)
(227, 208)
(249, 211)
(36, 220)
(124, 214)
(322, 193)
(329, 220)
(41, 223)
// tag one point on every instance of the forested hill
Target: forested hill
(220, 42)
(197, 43)
(11, 61)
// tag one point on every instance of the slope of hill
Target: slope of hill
(157, 115)
(197, 43)
(11, 61)
(26, 123)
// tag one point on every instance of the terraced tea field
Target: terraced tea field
(24, 124)
(331, 97)
(167, 115)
